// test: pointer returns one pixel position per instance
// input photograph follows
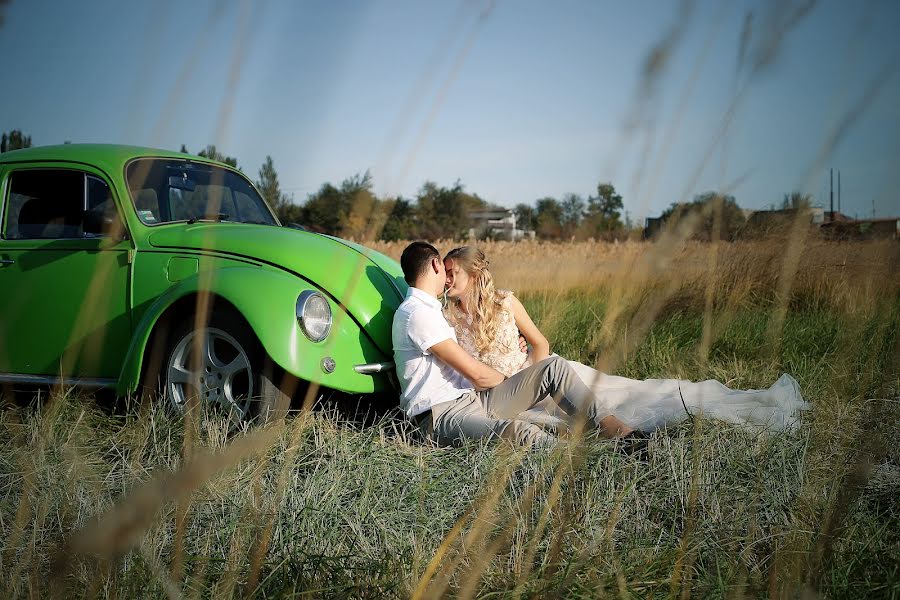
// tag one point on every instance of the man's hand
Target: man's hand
(523, 344)
(482, 376)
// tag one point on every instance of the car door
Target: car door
(64, 276)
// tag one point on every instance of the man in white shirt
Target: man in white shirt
(448, 394)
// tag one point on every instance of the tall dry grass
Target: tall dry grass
(842, 273)
(636, 283)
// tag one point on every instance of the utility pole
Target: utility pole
(831, 192)
(839, 190)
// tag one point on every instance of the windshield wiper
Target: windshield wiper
(220, 217)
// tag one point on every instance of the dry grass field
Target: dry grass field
(101, 504)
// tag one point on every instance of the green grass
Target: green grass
(342, 510)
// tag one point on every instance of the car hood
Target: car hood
(368, 284)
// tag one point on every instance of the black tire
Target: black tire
(223, 366)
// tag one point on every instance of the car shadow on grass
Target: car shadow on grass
(365, 411)
(359, 412)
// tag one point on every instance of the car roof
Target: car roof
(112, 156)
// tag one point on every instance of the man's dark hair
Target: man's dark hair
(415, 258)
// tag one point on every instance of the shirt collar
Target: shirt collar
(424, 297)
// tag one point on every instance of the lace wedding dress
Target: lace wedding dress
(642, 404)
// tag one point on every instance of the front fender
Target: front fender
(267, 301)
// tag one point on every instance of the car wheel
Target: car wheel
(224, 367)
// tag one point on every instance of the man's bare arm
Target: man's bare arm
(482, 376)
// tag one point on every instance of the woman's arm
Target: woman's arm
(540, 347)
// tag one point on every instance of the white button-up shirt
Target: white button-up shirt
(425, 380)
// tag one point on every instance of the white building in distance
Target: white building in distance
(499, 223)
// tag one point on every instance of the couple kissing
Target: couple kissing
(464, 375)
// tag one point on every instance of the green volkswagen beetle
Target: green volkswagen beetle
(123, 267)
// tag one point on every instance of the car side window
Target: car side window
(45, 204)
(59, 203)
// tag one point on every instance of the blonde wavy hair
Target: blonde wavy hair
(481, 296)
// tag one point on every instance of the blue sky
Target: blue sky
(516, 99)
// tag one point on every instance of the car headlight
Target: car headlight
(314, 315)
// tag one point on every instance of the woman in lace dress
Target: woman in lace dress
(488, 323)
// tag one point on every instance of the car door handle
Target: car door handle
(7, 261)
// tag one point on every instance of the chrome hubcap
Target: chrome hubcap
(213, 368)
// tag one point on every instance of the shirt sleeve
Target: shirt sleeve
(426, 329)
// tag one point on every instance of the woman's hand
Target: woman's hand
(540, 347)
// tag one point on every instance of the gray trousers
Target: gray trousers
(508, 411)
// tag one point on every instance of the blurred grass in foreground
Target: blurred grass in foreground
(323, 507)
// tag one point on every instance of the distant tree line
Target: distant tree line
(716, 216)
(352, 209)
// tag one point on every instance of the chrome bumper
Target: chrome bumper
(372, 368)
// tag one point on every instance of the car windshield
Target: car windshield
(167, 190)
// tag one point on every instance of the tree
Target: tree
(715, 210)
(603, 209)
(321, 210)
(365, 214)
(290, 213)
(797, 201)
(400, 223)
(270, 189)
(444, 212)
(572, 212)
(526, 216)
(15, 140)
(548, 214)
(351, 210)
(212, 153)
